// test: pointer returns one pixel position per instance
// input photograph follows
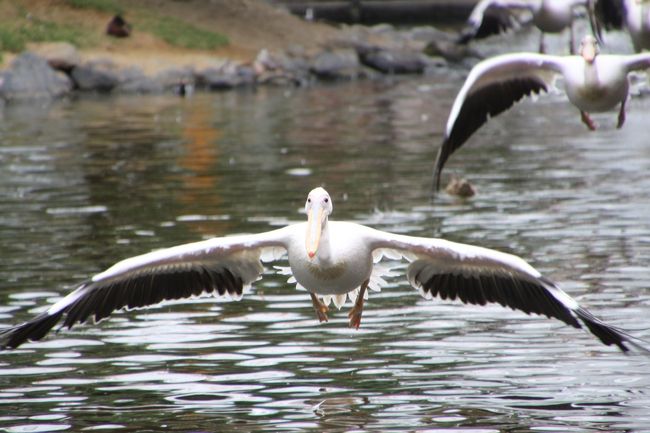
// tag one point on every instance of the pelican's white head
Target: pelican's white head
(589, 48)
(318, 208)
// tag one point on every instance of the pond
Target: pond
(89, 181)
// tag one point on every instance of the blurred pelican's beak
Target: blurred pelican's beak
(589, 52)
(314, 229)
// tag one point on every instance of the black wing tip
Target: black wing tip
(466, 36)
(441, 159)
(607, 334)
(610, 335)
(494, 21)
(475, 112)
(32, 330)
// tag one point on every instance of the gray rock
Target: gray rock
(436, 65)
(451, 51)
(280, 78)
(382, 28)
(133, 80)
(217, 79)
(393, 61)
(227, 77)
(281, 68)
(428, 34)
(30, 76)
(340, 63)
(96, 75)
(61, 56)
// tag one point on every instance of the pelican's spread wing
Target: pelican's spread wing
(477, 275)
(638, 62)
(492, 87)
(217, 266)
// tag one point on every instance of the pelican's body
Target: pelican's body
(594, 87)
(549, 16)
(333, 260)
(593, 83)
(334, 271)
(553, 16)
(632, 15)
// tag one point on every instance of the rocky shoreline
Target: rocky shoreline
(54, 70)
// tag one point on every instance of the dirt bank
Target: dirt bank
(249, 25)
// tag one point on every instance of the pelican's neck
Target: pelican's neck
(324, 253)
(591, 73)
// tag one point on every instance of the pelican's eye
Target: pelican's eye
(308, 199)
(326, 200)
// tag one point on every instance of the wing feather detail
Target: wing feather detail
(219, 266)
(610, 13)
(492, 87)
(490, 18)
(476, 275)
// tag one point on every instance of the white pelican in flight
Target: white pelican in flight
(495, 16)
(593, 83)
(329, 259)
(632, 15)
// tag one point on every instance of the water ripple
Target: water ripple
(564, 198)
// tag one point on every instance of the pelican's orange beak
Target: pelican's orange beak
(314, 229)
(589, 51)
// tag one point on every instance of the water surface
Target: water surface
(89, 181)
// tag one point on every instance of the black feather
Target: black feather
(494, 22)
(100, 299)
(527, 296)
(480, 105)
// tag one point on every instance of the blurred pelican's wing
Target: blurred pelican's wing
(477, 275)
(493, 86)
(216, 266)
(638, 62)
(610, 14)
(491, 17)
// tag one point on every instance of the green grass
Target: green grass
(19, 28)
(108, 6)
(182, 34)
(14, 36)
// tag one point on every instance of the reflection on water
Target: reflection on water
(86, 182)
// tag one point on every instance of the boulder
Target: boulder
(133, 80)
(103, 75)
(452, 51)
(30, 76)
(427, 34)
(342, 63)
(291, 67)
(228, 76)
(394, 61)
(61, 56)
(96, 75)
